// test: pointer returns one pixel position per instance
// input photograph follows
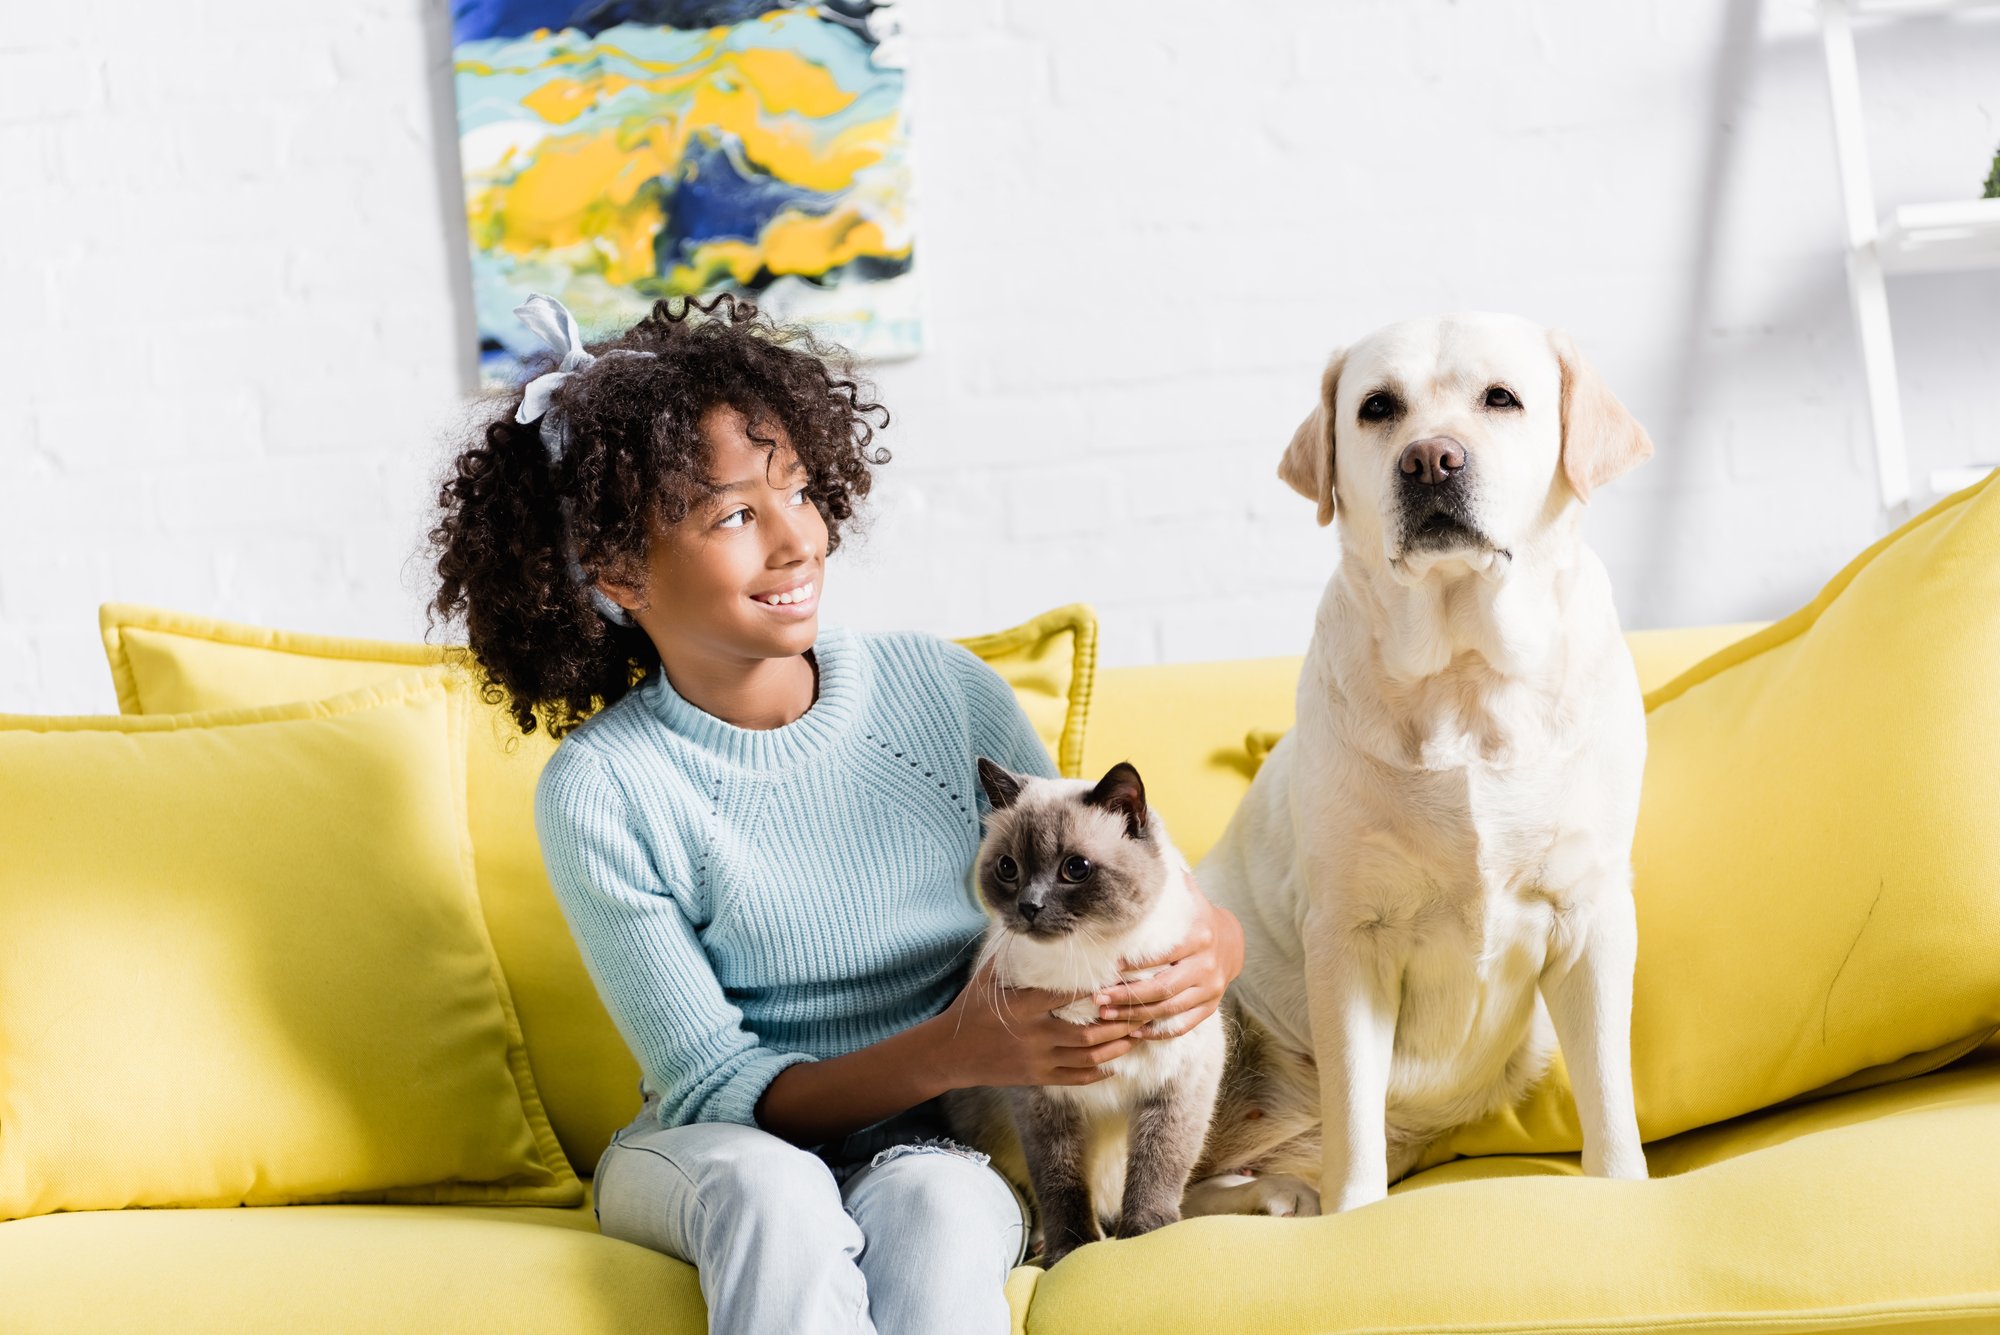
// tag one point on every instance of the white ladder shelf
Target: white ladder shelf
(1916, 238)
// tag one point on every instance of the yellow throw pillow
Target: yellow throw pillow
(1817, 865)
(242, 961)
(164, 662)
(1051, 662)
(1662, 655)
(1183, 726)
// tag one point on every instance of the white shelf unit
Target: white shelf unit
(1917, 238)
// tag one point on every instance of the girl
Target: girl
(760, 829)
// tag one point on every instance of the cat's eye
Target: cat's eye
(1006, 869)
(1076, 868)
(1499, 396)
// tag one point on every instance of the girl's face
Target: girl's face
(739, 577)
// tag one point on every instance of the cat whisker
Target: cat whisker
(1097, 943)
(990, 949)
(1005, 943)
(1072, 948)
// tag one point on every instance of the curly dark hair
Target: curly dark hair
(636, 455)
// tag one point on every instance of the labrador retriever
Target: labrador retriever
(1433, 867)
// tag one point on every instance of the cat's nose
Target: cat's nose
(1029, 908)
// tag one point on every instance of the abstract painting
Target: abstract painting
(620, 151)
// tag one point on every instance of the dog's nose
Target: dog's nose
(1431, 460)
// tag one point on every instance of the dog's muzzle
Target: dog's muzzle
(1435, 492)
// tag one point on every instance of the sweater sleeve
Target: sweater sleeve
(642, 952)
(1000, 728)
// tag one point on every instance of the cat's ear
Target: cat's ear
(1121, 791)
(1001, 785)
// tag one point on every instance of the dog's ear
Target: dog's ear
(1307, 466)
(1600, 439)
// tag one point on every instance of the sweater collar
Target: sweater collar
(832, 714)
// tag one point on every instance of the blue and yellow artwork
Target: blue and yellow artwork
(622, 151)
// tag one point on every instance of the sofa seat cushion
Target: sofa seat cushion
(1866, 1211)
(385, 1269)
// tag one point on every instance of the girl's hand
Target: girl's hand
(993, 1035)
(1191, 986)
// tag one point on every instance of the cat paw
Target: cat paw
(1054, 1249)
(1139, 1225)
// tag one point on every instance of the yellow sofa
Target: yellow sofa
(1875, 1209)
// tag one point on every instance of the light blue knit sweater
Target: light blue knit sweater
(749, 898)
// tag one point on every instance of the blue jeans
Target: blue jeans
(895, 1229)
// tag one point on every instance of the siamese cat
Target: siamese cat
(1073, 876)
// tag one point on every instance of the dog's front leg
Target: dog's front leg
(1353, 991)
(1587, 982)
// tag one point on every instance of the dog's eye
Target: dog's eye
(1076, 868)
(1006, 869)
(1378, 407)
(1499, 396)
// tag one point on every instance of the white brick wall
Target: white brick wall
(235, 321)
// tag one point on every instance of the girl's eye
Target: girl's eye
(1006, 868)
(727, 519)
(799, 497)
(1076, 868)
(1499, 396)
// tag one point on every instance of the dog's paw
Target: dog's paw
(1243, 1193)
(1288, 1196)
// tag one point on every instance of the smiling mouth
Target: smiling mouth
(799, 595)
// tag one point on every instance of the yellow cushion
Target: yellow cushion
(1815, 864)
(1867, 1212)
(373, 1269)
(242, 961)
(1051, 662)
(164, 661)
(1662, 655)
(1184, 726)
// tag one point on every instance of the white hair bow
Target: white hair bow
(556, 327)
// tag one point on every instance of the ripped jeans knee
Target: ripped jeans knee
(930, 1144)
(936, 1188)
